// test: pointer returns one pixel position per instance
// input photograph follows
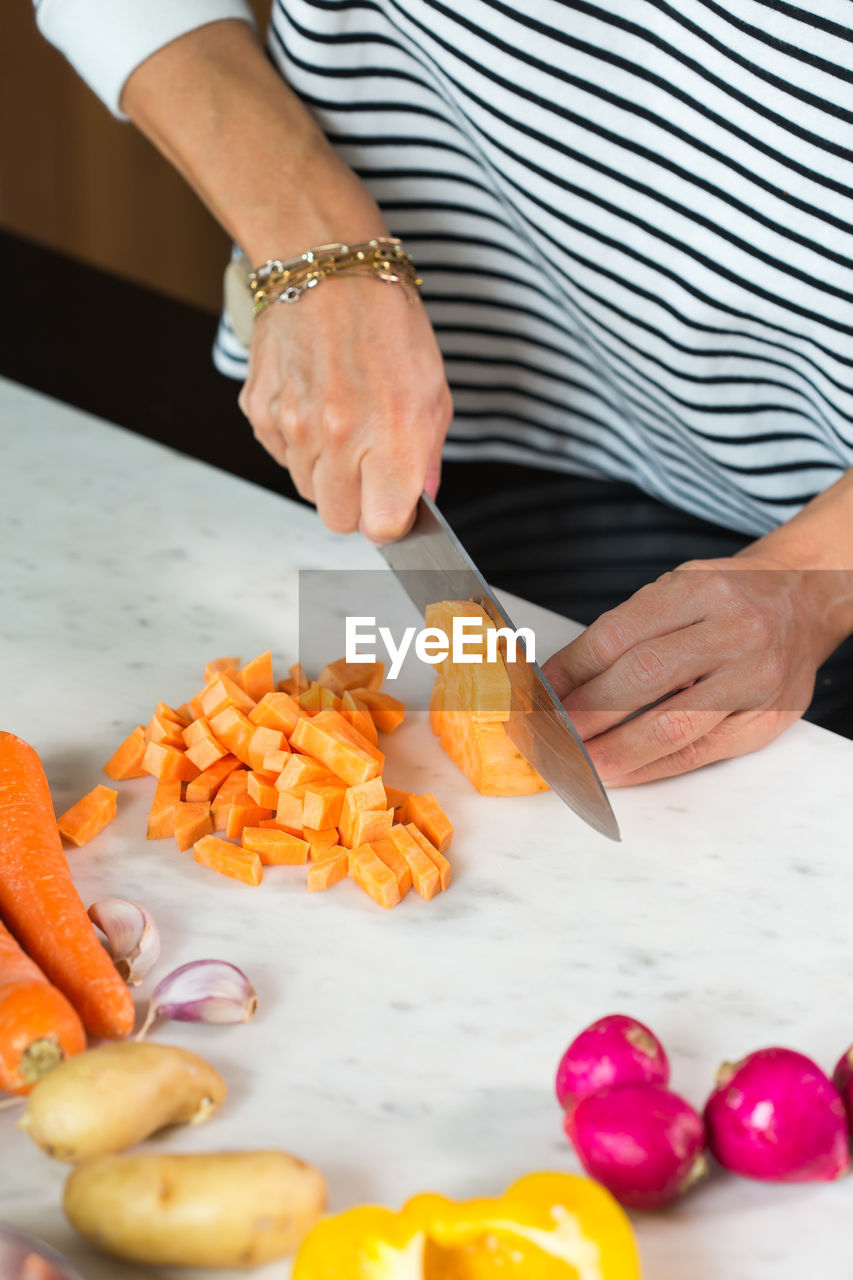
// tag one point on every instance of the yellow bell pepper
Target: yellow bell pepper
(547, 1226)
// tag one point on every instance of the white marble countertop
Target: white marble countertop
(413, 1049)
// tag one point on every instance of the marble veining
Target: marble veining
(413, 1049)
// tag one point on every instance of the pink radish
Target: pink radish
(842, 1078)
(642, 1142)
(775, 1116)
(614, 1050)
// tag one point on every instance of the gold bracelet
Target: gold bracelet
(287, 281)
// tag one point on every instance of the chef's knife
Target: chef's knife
(432, 565)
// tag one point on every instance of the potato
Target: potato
(229, 1209)
(111, 1097)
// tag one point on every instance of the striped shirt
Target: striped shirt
(634, 220)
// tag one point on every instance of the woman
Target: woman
(633, 222)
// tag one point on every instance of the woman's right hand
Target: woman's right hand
(346, 388)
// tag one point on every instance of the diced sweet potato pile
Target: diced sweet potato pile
(253, 773)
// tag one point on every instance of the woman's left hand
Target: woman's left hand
(712, 660)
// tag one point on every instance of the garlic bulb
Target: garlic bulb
(133, 939)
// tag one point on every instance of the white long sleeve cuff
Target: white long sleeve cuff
(106, 42)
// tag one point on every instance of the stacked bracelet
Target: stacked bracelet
(286, 281)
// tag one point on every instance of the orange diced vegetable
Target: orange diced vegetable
(315, 698)
(217, 665)
(299, 769)
(208, 784)
(256, 677)
(444, 871)
(485, 754)
(234, 790)
(368, 795)
(274, 761)
(342, 675)
(276, 711)
(309, 700)
(192, 710)
(356, 712)
(294, 773)
(429, 817)
(164, 808)
(126, 760)
(320, 841)
(469, 706)
(262, 789)
(388, 853)
(195, 731)
(336, 724)
(168, 762)
(371, 874)
(162, 729)
(399, 802)
(275, 848)
(170, 713)
(328, 871)
(349, 762)
(262, 742)
(206, 748)
(88, 816)
(243, 813)
(299, 678)
(222, 692)
(368, 825)
(387, 712)
(322, 805)
(425, 874)
(192, 821)
(290, 808)
(219, 855)
(234, 730)
(235, 785)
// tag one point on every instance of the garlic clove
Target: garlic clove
(202, 991)
(133, 939)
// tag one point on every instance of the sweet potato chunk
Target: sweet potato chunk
(126, 760)
(275, 848)
(371, 874)
(229, 860)
(82, 822)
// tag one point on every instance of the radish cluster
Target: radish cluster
(773, 1116)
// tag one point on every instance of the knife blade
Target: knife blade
(431, 564)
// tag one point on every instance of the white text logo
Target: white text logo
(432, 645)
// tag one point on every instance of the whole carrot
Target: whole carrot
(38, 1027)
(39, 903)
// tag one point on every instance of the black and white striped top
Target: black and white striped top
(634, 220)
